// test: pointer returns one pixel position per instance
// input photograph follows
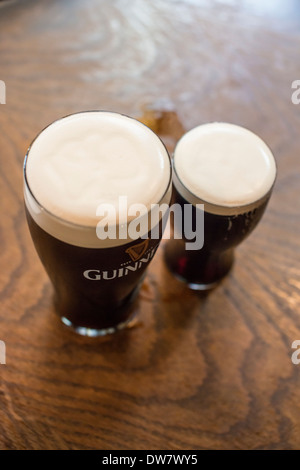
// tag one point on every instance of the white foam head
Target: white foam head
(88, 159)
(223, 165)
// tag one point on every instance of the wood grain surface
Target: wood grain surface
(210, 372)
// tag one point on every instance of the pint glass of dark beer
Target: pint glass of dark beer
(227, 174)
(91, 180)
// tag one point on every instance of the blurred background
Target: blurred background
(206, 59)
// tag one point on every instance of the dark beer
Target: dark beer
(93, 287)
(95, 280)
(227, 224)
(206, 267)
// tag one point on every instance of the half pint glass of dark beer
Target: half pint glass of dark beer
(91, 181)
(227, 174)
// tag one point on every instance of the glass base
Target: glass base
(203, 287)
(95, 332)
(197, 286)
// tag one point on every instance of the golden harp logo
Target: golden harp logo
(137, 251)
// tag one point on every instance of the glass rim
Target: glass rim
(60, 219)
(221, 209)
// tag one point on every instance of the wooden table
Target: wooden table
(196, 372)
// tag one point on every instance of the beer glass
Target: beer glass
(227, 174)
(90, 182)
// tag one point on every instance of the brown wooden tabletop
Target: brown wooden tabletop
(196, 372)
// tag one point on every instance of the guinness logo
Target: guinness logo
(137, 251)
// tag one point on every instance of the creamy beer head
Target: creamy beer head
(223, 165)
(88, 159)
